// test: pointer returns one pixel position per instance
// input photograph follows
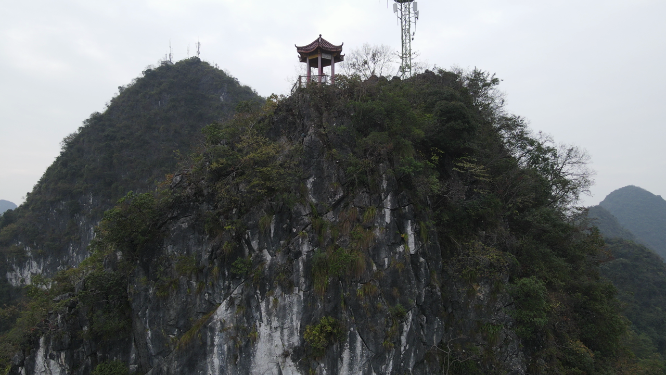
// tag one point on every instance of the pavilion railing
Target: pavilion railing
(315, 78)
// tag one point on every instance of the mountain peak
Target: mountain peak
(6, 205)
(641, 212)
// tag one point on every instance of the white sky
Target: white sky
(590, 73)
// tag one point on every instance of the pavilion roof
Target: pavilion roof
(319, 43)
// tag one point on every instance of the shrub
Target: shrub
(321, 335)
(111, 368)
(531, 310)
(335, 262)
(241, 266)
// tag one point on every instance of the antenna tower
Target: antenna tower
(198, 48)
(408, 13)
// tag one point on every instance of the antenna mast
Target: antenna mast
(198, 48)
(408, 13)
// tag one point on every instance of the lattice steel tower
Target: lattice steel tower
(408, 13)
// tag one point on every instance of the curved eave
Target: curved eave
(321, 44)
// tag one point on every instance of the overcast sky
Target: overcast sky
(589, 73)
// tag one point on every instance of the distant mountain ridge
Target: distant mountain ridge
(642, 213)
(6, 205)
(608, 225)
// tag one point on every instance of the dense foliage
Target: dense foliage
(132, 145)
(111, 368)
(499, 200)
(639, 275)
(489, 181)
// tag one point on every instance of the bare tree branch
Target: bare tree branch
(369, 60)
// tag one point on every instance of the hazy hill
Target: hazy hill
(642, 213)
(6, 205)
(132, 145)
(608, 225)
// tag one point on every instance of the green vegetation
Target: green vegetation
(320, 336)
(104, 296)
(241, 266)
(243, 165)
(111, 368)
(131, 146)
(531, 313)
(398, 312)
(500, 200)
(497, 199)
(195, 331)
(640, 277)
(130, 225)
(98, 285)
(335, 262)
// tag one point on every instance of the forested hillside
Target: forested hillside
(132, 145)
(608, 224)
(642, 213)
(403, 226)
(639, 275)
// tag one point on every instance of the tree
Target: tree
(68, 140)
(565, 168)
(370, 60)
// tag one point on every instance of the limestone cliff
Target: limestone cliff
(379, 227)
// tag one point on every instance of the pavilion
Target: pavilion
(320, 54)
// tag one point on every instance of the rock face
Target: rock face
(41, 259)
(289, 298)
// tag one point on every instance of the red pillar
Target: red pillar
(321, 68)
